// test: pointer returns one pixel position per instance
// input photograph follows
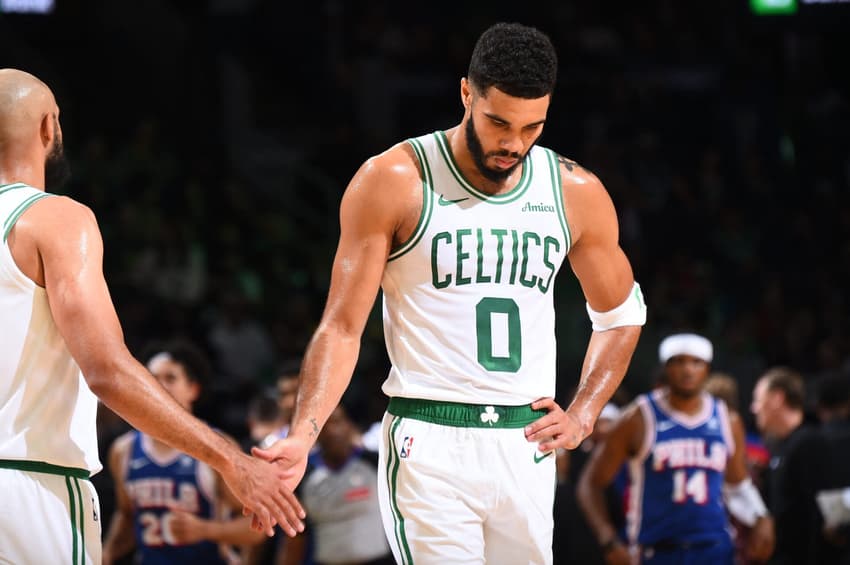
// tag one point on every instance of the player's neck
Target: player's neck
(17, 170)
(159, 448)
(460, 152)
(685, 404)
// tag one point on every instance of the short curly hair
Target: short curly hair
(518, 60)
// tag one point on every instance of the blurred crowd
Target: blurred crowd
(215, 158)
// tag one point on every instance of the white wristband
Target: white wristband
(632, 312)
(744, 502)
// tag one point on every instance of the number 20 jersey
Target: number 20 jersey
(676, 480)
(468, 310)
(156, 487)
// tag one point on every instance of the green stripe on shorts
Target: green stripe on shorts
(72, 504)
(82, 523)
(464, 415)
(392, 478)
(42, 467)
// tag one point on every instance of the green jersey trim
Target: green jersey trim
(557, 187)
(16, 213)
(427, 203)
(510, 196)
(464, 415)
(13, 186)
(42, 467)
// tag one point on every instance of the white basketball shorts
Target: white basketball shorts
(460, 484)
(47, 517)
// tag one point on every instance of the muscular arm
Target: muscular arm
(742, 499)
(622, 443)
(372, 208)
(65, 237)
(606, 279)
(736, 467)
(82, 308)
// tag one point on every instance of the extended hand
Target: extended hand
(262, 489)
(289, 456)
(558, 428)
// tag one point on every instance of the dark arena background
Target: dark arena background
(214, 139)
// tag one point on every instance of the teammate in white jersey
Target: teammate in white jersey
(465, 231)
(58, 320)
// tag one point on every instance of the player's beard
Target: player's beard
(57, 169)
(473, 143)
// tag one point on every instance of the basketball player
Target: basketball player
(685, 451)
(58, 319)
(171, 507)
(465, 231)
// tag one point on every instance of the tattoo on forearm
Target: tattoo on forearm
(315, 430)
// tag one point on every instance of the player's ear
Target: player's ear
(465, 93)
(47, 129)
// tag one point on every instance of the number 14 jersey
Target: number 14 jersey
(676, 480)
(468, 310)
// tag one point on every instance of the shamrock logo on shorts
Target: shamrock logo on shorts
(489, 416)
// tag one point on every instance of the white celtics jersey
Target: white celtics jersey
(47, 412)
(468, 309)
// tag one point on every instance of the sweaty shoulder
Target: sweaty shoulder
(51, 227)
(56, 216)
(386, 192)
(392, 171)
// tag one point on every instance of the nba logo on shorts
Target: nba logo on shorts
(406, 446)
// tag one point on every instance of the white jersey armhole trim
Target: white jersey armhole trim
(648, 428)
(558, 190)
(7, 261)
(427, 203)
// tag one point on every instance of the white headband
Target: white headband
(158, 358)
(685, 344)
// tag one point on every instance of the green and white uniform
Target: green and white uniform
(469, 325)
(48, 439)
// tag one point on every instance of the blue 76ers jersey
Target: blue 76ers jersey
(676, 479)
(154, 488)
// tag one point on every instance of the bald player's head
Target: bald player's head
(30, 134)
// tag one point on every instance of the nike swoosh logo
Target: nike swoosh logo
(443, 202)
(138, 463)
(538, 459)
(665, 425)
